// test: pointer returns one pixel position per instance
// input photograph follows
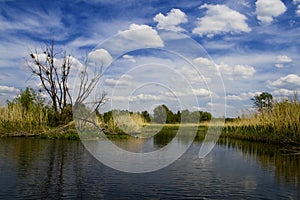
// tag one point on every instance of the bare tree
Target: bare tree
(88, 84)
(53, 70)
(53, 76)
(89, 79)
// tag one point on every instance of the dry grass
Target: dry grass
(124, 122)
(15, 119)
(280, 124)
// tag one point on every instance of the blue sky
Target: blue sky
(254, 45)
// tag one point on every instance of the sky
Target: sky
(197, 55)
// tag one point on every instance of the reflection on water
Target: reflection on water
(163, 138)
(35, 168)
(285, 162)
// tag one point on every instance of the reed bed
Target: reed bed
(123, 123)
(279, 124)
(16, 120)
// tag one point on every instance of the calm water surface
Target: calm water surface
(61, 169)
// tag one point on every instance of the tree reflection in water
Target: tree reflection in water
(285, 162)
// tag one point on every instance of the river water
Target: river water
(61, 169)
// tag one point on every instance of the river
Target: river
(61, 169)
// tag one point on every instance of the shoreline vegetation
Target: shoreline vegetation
(279, 124)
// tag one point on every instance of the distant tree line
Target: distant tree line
(162, 114)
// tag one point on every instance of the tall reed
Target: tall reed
(126, 122)
(280, 124)
(17, 120)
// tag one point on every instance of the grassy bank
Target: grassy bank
(14, 119)
(280, 124)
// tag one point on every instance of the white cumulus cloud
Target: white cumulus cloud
(266, 10)
(291, 81)
(142, 35)
(201, 61)
(284, 92)
(201, 92)
(171, 21)
(221, 19)
(101, 57)
(243, 71)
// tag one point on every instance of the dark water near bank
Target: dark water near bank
(61, 169)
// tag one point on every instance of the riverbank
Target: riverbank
(263, 133)
(67, 132)
(255, 133)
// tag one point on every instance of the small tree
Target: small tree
(264, 101)
(205, 116)
(27, 99)
(146, 116)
